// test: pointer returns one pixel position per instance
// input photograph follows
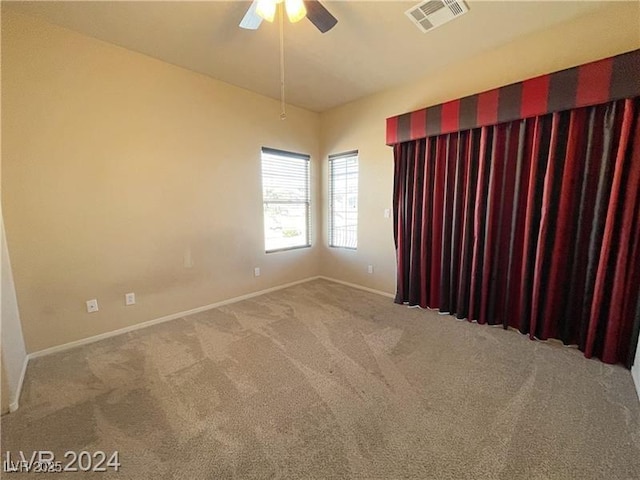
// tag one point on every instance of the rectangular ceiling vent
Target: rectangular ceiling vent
(433, 13)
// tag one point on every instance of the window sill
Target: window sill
(287, 249)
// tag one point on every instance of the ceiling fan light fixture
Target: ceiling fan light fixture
(266, 9)
(296, 10)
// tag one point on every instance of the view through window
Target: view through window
(286, 198)
(343, 198)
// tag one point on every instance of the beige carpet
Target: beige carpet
(324, 381)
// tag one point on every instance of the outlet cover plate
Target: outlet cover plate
(130, 298)
(92, 305)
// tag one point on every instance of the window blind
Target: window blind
(286, 199)
(343, 200)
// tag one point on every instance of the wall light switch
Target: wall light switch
(256, 272)
(387, 213)
(129, 298)
(370, 269)
(92, 305)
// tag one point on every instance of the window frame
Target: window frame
(303, 157)
(330, 229)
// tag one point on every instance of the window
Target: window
(343, 200)
(285, 194)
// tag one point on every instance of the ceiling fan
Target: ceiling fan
(296, 11)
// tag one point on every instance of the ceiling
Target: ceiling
(373, 47)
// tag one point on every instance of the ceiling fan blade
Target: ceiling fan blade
(320, 16)
(251, 19)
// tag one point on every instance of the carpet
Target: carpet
(324, 381)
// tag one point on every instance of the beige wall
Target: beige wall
(13, 355)
(361, 125)
(115, 165)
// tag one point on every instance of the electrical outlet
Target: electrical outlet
(129, 298)
(256, 272)
(92, 305)
(370, 269)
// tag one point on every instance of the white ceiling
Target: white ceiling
(373, 47)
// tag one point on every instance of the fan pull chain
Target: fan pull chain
(283, 112)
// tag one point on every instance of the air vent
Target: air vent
(433, 13)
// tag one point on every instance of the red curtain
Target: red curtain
(532, 224)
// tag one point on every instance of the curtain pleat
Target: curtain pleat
(532, 224)
(482, 186)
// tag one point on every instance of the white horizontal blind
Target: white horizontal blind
(286, 199)
(343, 200)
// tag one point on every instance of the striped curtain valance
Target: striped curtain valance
(593, 83)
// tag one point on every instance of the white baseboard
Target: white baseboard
(166, 318)
(15, 404)
(359, 287)
(173, 316)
